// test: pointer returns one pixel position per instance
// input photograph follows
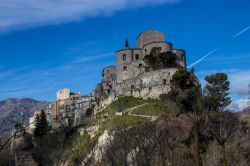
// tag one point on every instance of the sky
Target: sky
(47, 45)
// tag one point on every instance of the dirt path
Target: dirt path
(130, 112)
(133, 108)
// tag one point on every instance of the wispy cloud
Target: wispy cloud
(44, 79)
(241, 32)
(25, 13)
(12, 90)
(93, 57)
(201, 59)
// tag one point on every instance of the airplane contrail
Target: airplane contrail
(241, 32)
(204, 57)
(213, 51)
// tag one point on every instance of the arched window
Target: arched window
(146, 51)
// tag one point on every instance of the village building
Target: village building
(70, 108)
(109, 78)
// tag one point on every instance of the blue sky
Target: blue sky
(46, 45)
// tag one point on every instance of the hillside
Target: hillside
(245, 112)
(85, 142)
(16, 110)
(245, 115)
(109, 136)
(129, 131)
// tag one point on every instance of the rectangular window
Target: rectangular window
(136, 57)
(140, 65)
(124, 57)
(124, 68)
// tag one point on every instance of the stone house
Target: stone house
(70, 111)
(109, 78)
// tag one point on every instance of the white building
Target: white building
(63, 94)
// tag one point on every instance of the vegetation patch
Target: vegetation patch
(109, 121)
(156, 107)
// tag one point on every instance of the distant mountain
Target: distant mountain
(245, 112)
(17, 110)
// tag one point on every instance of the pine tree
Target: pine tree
(216, 92)
(223, 124)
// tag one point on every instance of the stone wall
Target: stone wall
(164, 46)
(129, 61)
(147, 85)
(149, 37)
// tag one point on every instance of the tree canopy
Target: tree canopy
(159, 60)
(41, 125)
(216, 91)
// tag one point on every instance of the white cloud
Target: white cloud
(24, 13)
(240, 81)
(239, 105)
(243, 90)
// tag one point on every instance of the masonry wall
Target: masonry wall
(130, 67)
(149, 37)
(147, 85)
(163, 45)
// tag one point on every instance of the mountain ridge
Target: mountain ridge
(14, 110)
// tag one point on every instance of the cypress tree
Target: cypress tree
(41, 125)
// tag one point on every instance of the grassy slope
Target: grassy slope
(156, 107)
(107, 120)
(113, 122)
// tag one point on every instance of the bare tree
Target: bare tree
(170, 133)
(119, 148)
(145, 140)
(14, 128)
(223, 126)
